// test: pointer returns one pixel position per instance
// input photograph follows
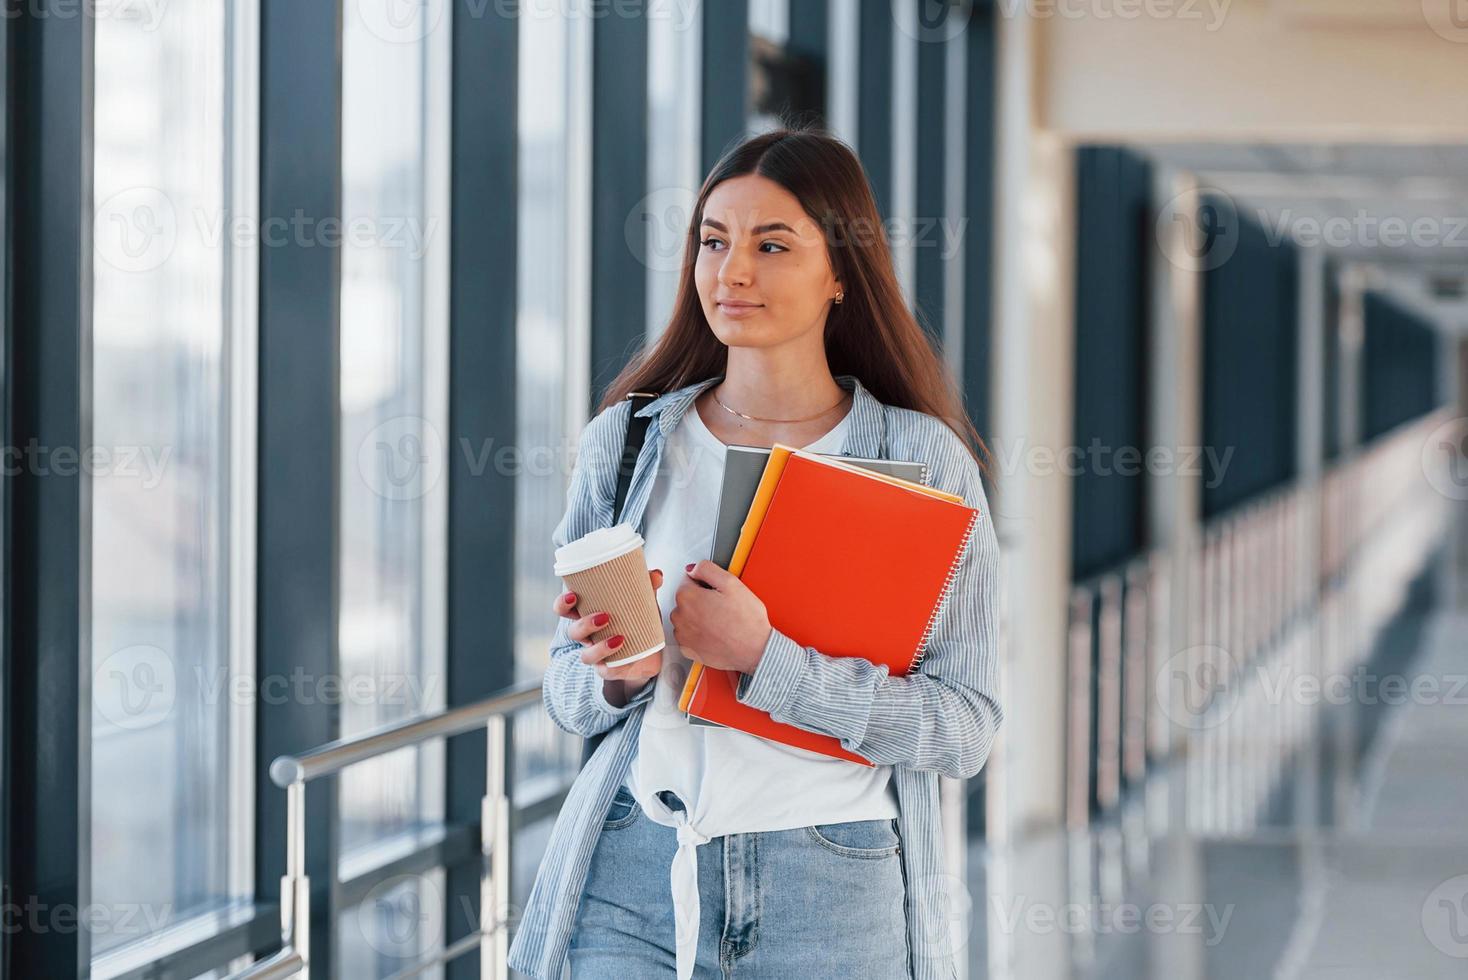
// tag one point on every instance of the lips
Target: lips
(738, 311)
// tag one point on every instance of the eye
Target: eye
(708, 242)
(777, 245)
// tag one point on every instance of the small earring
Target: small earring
(839, 297)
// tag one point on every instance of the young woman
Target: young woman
(702, 850)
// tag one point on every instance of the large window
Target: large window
(393, 406)
(171, 468)
(552, 340)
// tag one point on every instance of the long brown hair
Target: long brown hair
(871, 334)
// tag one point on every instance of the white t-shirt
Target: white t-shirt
(729, 781)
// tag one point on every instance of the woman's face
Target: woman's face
(763, 273)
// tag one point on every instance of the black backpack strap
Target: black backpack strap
(632, 448)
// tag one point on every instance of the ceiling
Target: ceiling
(1401, 210)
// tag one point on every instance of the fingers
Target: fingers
(595, 653)
(634, 673)
(581, 630)
(711, 574)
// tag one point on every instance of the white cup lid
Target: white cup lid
(601, 545)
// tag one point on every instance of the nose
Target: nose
(735, 270)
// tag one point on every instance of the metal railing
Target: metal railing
(1117, 626)
(1255, 597)
(292, 773)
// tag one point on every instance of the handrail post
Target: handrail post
(1078, 712)
(1108, 705)
(494, 845)
(295, 886)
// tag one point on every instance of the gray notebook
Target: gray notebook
(743, 468)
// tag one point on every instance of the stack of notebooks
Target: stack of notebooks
(853, 557)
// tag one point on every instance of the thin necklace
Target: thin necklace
(756, 418)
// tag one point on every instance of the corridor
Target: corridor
(1356, 869)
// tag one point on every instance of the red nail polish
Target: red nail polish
(689, 568)
(616, 642)
(569, 598)
(601, 619)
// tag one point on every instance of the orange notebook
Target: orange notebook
(851, 562)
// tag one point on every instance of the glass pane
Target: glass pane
(5, 421)
(769, 29)
(401, 920)
(161, 804)
(551, 395)
(673, 94)
(392, 447)
(770, 19)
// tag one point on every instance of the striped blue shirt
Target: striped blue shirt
(938, 721)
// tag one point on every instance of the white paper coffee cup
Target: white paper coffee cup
(607, 570)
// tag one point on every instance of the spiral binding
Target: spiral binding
(922, 648)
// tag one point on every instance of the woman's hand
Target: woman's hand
(595, 653)
(718, 621)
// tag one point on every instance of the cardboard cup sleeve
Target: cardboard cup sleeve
(622, 588)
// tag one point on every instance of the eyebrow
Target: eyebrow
(772, 226)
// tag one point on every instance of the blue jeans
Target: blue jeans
(819, 902)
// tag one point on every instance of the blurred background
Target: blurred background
(306, 302)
